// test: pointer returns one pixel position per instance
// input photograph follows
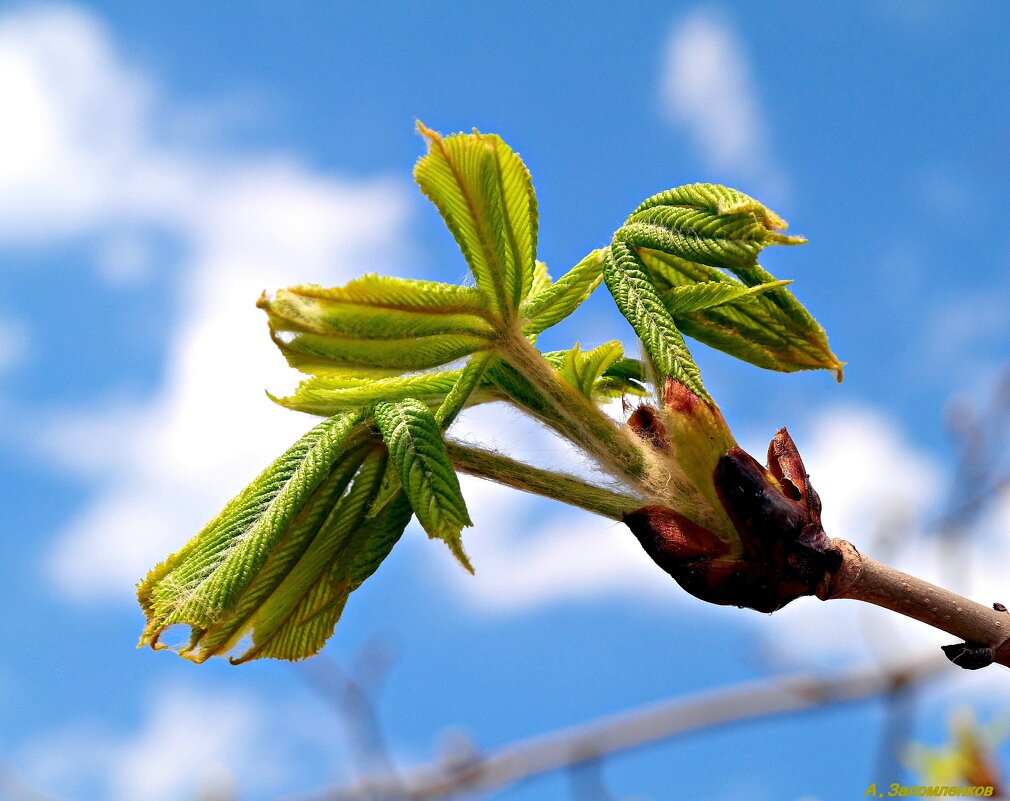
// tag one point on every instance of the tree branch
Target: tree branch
(985, 630)
(635, 729)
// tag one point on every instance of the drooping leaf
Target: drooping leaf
(554, 302)
(205, 581)
(635, 294)
(233, 624)
(485, 195)
(305, 606)
(418, 452)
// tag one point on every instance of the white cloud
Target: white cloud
(82, 153)
(708, 88)
(189, 743)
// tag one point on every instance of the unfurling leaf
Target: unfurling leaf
(706, 223)
(583, 369)
(485, 195)
(419, 455)
(671, 247)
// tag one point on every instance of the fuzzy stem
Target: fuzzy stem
(864, 579)
(557, 486)
(608, 443)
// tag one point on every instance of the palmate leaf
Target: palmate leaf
(485, 195)
(418, 453)
(204, 583)
(670, 248)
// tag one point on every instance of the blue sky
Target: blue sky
(160, 166)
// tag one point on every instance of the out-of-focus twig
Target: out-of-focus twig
(634, 729)
(353, 695)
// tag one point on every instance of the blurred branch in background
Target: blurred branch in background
(353, 694)
(609, 736)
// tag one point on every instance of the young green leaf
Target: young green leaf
(204, 583)
(583, 369)
(485, 195)
(706, 223)
(709, 294)
(418, 453)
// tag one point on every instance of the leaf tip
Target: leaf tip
(431, 135)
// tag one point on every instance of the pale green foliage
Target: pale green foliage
(392, 362)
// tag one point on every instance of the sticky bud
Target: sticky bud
(775, 512)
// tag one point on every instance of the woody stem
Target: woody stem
(862, 578)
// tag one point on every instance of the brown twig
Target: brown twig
(862, 578)
(635, 729)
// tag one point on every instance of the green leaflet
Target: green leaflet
(317, 353)
(485, 195)
(770, 330)
(629, 282)
(203, 584)
(583, 369)
(466, 384)
(709, 294)
(336, 312)
(418, 453)
(332, 393)
(375, 323)
(465, 390)
(552, 303)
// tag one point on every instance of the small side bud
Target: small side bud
(647, 426)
